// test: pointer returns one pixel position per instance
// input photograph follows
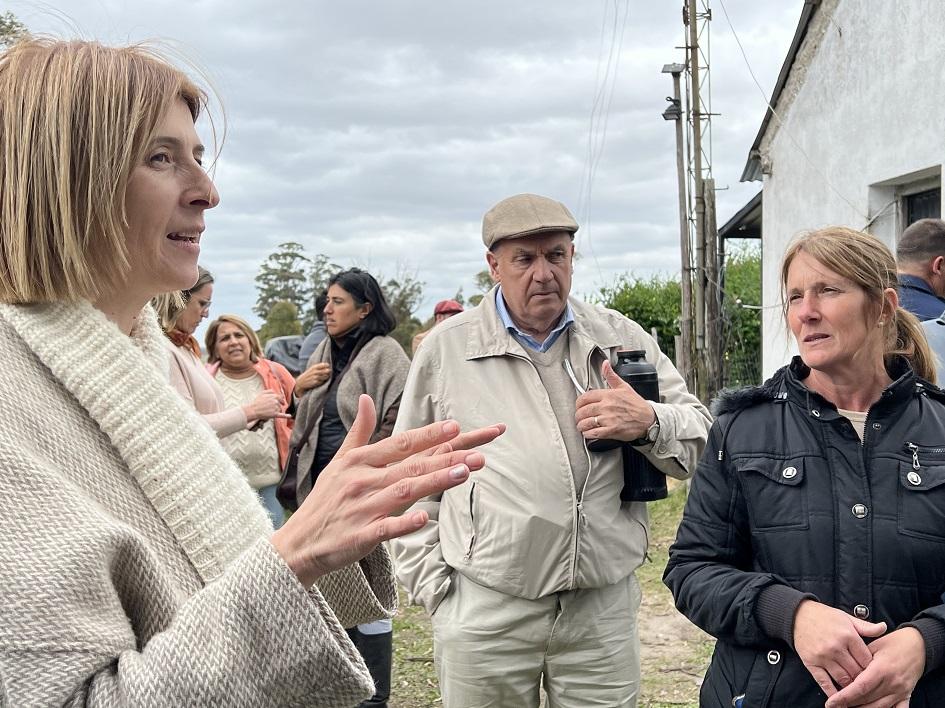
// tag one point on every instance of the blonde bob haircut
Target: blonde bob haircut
(868, 263)
(210, 339)
(75, 119)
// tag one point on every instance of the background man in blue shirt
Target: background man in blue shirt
(921, 258)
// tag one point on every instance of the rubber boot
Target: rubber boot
(377, 650)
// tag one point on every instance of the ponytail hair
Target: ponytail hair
(911, 342)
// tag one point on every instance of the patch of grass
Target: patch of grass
(664, 519)
(674, 653)
(413, 684)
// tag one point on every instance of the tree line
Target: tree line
(289, 280)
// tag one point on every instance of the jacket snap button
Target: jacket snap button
(815, 413)
(877, 426)
(789, 472)
(914, 479)
(774, 657)
(860, 510)
(861, 611)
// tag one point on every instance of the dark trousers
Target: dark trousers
(377, 651)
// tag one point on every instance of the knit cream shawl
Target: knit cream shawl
(122, 382)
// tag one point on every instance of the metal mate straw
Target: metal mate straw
(567, 367)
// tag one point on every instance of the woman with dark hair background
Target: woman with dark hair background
(357, 357)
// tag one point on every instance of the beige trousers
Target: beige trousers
(494, 650)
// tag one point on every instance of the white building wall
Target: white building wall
(866, 103)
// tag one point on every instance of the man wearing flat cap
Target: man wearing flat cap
(528, 567)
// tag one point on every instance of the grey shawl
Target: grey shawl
(379, 369)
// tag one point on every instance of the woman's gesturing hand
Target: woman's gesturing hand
(898, 664)
(266, 405)
(830, 643)
(355, 501)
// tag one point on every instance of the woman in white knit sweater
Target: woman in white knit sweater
(138, 566)
(241, 372)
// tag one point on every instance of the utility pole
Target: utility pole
(695, 144)
(707, 302)
(713, 294)
(684, 349)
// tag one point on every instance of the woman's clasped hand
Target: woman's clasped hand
(358, 497)
(831, 643)
(833, 646)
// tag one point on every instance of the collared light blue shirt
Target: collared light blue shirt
(567, 317)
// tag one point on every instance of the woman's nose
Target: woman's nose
(807, 309)
(203, 193)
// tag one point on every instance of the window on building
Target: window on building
(922, 205)
(902, 200)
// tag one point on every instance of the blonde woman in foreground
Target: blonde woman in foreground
(138, 566)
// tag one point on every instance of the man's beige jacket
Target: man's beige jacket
(519, 525)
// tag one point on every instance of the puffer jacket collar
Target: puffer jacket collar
(488, 337)
(787, 385)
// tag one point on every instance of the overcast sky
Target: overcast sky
(378, 132)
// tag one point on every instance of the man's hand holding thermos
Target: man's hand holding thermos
(621, 415)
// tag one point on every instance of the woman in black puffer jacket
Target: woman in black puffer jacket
(813, 541)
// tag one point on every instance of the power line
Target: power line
(600, 114)
(822, 173)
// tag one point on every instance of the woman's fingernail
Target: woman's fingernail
(459, 472)
(450, 427)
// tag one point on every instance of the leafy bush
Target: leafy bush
(653, 302)
(741, 328)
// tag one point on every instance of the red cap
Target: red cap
(447, 307)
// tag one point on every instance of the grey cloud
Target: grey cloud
(379, 132)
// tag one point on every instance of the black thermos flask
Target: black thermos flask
(642, 481)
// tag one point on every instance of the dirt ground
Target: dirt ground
(674, 657)
(674, 654)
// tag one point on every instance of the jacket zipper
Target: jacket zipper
(914, 449)
(580, 518)
(578, 503)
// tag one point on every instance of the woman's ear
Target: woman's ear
(366, 309)
(890, 303)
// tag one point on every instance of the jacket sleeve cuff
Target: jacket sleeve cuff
(933, 632)
(775, 609)
(361, 592)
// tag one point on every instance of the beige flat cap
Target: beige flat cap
(525, 215)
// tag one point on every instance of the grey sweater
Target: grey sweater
(136, 563)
